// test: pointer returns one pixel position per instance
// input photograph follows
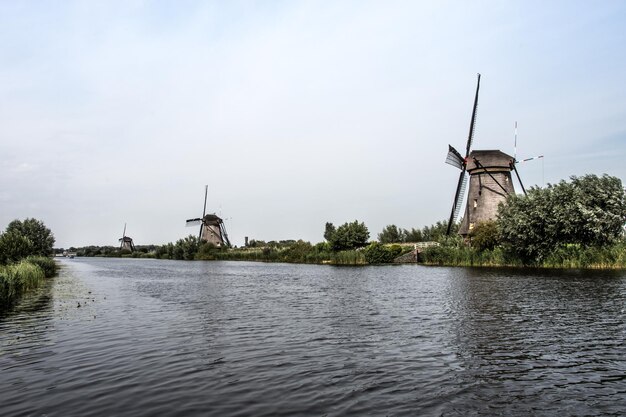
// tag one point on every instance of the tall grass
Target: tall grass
(466, 256)
(577, 256)
(48, 265)
(348, 257)
(566, 256)
(18, 278)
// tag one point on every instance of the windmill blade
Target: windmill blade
(470, 136)
(529, 159)
(458, 199)
(454, 158)
(193, 222)
(224, 234)
(518, 177)
(459, 202)
(123, 238)
(206, 191)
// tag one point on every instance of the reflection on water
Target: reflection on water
(145, 337)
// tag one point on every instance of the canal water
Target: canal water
(131, 337)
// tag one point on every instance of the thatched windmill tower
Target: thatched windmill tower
(126, 242)
(490, 180)
(212, 228)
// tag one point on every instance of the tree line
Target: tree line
(580, 219)
(432, 233)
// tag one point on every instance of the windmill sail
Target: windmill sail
(456, 157)
(193, 222)
(199, 221)
(470, 136)
(529, 159)
(224, 234)
(459, 198)
(206, 190)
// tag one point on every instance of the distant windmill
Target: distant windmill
(126, 242)
(212, 228)
(489, 180)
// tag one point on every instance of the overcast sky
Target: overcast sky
(294, 113)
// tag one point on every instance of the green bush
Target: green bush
(588, 211)
(485, 235)
(207, 251)
(14, 247)
(297, 252)
(377, 253)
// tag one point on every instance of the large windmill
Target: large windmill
(212, 228)
(489, 180)
(126, 242)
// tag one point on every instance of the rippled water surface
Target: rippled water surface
(148, 338)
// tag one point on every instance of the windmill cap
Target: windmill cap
(212, 218)
(493, 160)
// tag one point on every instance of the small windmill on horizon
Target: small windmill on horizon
(212, 228)
(126, 242)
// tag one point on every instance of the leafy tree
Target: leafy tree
(329, 231)
(322, 247)
(40, 236)
(589, 211)
(350, 236)
(437, 231)
(415, 235)
(14, 247)
(485, 235)
(186, 248)
(391, 234)
(178, 252)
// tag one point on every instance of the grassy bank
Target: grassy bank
(26, 275)
(567, 256)
(577, 256)
(451, 252)
(293, 254)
